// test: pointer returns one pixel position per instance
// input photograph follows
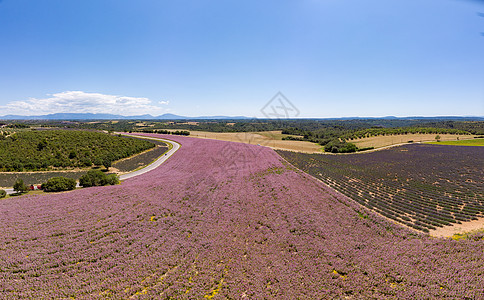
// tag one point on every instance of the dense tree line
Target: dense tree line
(18, 125)
(61, 149)
(398, 131)
(164, 131)
(338, 133)
(472, 125)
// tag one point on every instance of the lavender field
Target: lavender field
(221, 220)
(421, 186)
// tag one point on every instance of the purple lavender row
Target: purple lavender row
(421, 186)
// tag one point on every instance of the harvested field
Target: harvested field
(388, 140)
(224, 221)
(272, 139)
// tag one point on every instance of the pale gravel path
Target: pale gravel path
(156, 163)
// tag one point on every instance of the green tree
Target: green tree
(98, 178)
(437, 138)
(41, 145)
(92, 178)
(19, 186)
(112, 179)
(107, 163)
(72, 154)
(98, 161)
(86, 162)
(59, 184)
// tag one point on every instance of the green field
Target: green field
(474, 142)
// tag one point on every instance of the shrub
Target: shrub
(336, 146)
(112, 179)
(3, 194)
(97, 178)
(59, 184)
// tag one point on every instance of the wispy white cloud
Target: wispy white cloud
(82, 102)
(164, 102)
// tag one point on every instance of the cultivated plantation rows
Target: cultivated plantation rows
(61, 149)
(421, 186)
(225, 221)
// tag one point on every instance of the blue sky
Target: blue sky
(330, 58)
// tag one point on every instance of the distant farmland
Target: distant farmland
(271, 139)
(421, 186)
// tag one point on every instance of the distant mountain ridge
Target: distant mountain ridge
(93, 116)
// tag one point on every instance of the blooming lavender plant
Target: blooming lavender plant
(270, 231)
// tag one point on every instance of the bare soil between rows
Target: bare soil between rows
(449, 231)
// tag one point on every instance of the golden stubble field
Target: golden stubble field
(388, 140)
(272, 139)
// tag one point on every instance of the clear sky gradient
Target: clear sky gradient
(330, 58)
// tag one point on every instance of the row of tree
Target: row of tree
(164, 131)
(400, 131)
